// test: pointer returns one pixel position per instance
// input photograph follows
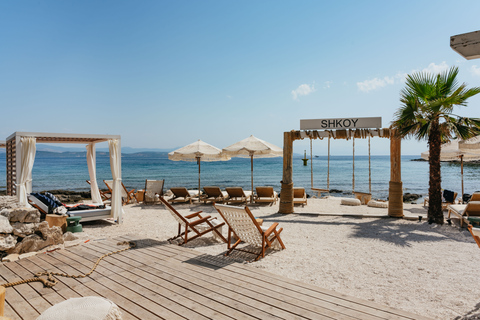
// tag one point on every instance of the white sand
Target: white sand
(406, 264)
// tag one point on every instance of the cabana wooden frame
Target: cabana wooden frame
(14, 162)
(395, 207)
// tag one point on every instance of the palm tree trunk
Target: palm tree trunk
(435, 213)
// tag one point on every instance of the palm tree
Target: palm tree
(427, 114)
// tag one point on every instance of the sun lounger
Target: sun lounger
(469, 212)
(106, 195)
(299, 196)
(127, 196)
(237, 195)
(265, 194)
(181, 194)
(214, 194)
(448, 198)
(475, 234)
(153, 191)
(194, 223)
(245, 228)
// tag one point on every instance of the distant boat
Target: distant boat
(316, 156)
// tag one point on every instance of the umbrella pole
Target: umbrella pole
(251, 169)
(198, 161)
(461, 166)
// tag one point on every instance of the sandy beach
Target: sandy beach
(426, 269)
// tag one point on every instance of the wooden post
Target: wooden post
(286, 194)
(395, 191)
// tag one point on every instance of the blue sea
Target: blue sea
(52, 171)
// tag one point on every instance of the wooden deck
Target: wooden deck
(162, 281)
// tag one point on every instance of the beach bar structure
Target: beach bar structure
(21, 147)
(344, 128)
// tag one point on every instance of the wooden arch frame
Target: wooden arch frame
(395, 193)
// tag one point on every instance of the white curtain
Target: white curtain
(115, 165)
(92, 171)
(28, 149)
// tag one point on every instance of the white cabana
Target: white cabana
(21, 155)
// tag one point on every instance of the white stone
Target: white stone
(7, 242)
(10, 258)
(26, 215)
(5, 226)
(24, 229)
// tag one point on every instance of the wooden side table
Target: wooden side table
(57, 220)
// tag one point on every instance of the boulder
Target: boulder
(408, 197)
(68, 236)
(7, 242)
(9, 202)
(26, 215)
(24, 229)
(6, 213)
(5, 226)
(54, 232)
(35, 243)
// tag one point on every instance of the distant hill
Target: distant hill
(125, 150)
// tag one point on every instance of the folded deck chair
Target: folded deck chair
(475, 234)
(127, 196)
(265, 194)
(153, 191)
(181, 194)
(237, 195)
(469, 212)
(299, 196)
(106, 195)
(214, 194)
(245, 227)
(194, 223)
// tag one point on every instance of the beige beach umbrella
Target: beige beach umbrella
(252, 147)
(198, 151)
(459, 150)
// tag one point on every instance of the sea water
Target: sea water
(53, 171)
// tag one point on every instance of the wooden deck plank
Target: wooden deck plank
(253, 291)
(299, 288)
(123, 293)
(203, 288)
(371, 308)
(162, 281)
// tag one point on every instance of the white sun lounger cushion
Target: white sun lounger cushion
(351, 202)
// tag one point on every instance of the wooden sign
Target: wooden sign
(341, 123)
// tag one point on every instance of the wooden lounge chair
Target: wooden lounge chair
(106, 195)
(195, 223)
(214, 194)
(237, 195)
(181, 194)
(475, 234)
(299, 196)
(245, 228)
(153, 191)
(469, 212)
(446, 199)
(127, 196)
(265, 194)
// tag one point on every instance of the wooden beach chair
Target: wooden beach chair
(214, 194)
(448, 198)
(106, 195)
(469, 212)
(237, 195)
(127, 196)
(153, 191)
(475, 234)
(245, 228)
(195, 223)
(299, 196)
(265, 194)
(181, 194)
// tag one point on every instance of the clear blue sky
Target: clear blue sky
(163, 74)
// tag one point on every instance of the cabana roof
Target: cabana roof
(43, 137)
